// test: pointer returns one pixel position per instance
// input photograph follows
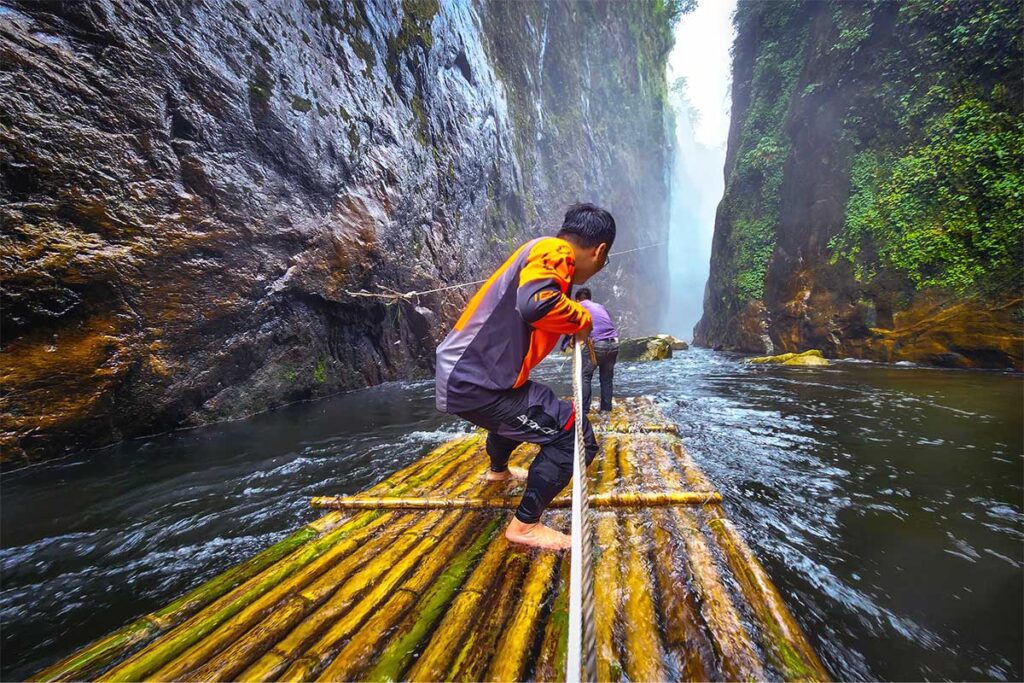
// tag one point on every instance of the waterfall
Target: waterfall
(698, 76)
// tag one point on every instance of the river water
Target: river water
(885, 501)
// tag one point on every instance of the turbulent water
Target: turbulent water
(886, 502)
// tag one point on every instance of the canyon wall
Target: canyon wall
(196, 195)
(874, 202)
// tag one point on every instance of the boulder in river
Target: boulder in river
(645, 348)
(806, 358)
(676, 343)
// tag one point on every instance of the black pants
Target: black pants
(534, 414)
(607, 352)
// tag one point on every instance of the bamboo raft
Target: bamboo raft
(413, 580)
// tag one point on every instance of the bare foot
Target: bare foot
(536, 535)
(517, 473)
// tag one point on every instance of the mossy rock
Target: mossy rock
(676, 343)
(807, 358)
(644, 349)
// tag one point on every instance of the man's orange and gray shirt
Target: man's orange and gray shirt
(509, 326)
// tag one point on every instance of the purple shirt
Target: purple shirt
(604, 330)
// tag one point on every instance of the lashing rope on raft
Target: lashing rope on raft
(581, 658)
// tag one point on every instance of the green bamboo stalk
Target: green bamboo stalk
(323, 601)
(509, 660)
(435, 658)
(368, 639)
(784, 641)
(550, 665)
(94, 657)
(679, 608)
(91, 659)
(456, 476)
(239, 649)
(478, 641)
(203, 623)
(397, 655)
(200, 626)
(235, 633)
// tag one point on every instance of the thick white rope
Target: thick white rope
(581, 658)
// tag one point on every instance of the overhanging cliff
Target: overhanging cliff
(191, 192)
(874, 197)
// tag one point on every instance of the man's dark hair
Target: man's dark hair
(582, 293)
(589, 225)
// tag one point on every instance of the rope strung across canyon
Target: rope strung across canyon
(392, 295)
(581, 654)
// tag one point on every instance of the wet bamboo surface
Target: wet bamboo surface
(431, 590)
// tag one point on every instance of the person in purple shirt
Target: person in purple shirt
(606, 349)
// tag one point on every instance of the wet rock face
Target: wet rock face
(824, 92)
(193, 194)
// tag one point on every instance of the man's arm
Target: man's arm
(540, 298)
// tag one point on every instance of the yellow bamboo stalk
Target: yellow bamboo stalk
(343, 615)
(550, 665)
(607, 574)
(193, 634)
(213, 615)
(367, 640)
(785, 643)
(644, 657)
(229, 643)
(405, 644)
(479, 642)
(432, 664)
(680, 616)
(459, 472)
(600, 500)
(736, 653)
(509, 660)
(285, 656)
(695, 477)
(320, 602)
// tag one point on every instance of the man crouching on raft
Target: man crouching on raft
(510, 325)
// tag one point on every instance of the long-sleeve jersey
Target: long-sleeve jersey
(511, 323)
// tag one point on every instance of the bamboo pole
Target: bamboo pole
(414, 630)
(339, 592)
(600, 500)
(684, 632)
(478, 643)
(240, 653)
(85, 662)
(550, 664)
(433, 662)
(509, 660)
(237, 633)
(213, 615)
(644, 658)
(608, 574)
(208, 619)
(375, 633)
(736, 653)
(319, 603)
(785, 643)
(94, 657)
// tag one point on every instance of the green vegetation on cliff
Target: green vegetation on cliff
(874, 182)
(937, 186)
(932, 136)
